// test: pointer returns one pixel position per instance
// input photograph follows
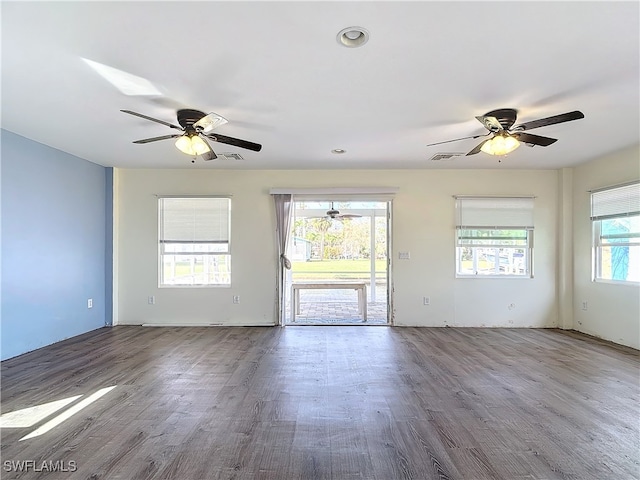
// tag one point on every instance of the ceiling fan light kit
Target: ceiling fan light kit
(500, 145)
(192, 145)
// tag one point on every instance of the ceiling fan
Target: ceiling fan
(332, 213)
(196, 128)
(506, 137)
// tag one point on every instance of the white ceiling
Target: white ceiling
(277, 72)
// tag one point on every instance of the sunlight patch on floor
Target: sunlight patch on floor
(27, 417)
(68, 413)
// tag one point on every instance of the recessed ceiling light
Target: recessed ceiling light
(353, 37)
(338, 150)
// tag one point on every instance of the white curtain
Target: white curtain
(282, 203)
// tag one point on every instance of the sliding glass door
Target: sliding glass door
(340, 268)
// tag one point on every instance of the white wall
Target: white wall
(613, 311)
(423, 224)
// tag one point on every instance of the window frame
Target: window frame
(481, 224)
(627, 207)
(203, 254)
(476, 249)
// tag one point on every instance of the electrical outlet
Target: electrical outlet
(152, 300)
(90, 303)
(404, 255)
(426, 301)
(585, 305)
(236, 299)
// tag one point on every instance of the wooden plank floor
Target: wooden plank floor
(329, 403)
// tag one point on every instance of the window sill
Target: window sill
(616, 282)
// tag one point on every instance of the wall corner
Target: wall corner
(565, 292)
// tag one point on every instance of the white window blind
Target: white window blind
(616, 202)
(202, 220)
(494, 212)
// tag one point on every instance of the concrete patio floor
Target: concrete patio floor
(339, 307)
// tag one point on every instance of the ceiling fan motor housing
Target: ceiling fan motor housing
(505, 116)
(187, 117)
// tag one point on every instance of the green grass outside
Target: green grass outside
(183, 269)
(340, 269)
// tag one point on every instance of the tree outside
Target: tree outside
(348, 238)
(340, 248)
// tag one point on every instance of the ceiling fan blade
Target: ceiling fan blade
(534, 139)
(478, 147)
(348, 215)
(155, 139)
(490, 123)
(209, 122)
(236, 142)
(457, 139)
(152, 119)
(543, 122)
(210, 155)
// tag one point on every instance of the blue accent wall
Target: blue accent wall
(54, 246)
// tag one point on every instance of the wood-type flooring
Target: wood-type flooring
(369, 403)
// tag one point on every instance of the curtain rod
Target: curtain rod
(494, 196)
(157, 195)
(335, 191)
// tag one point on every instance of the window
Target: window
(194, 241)
(615, 214)
(494, 236)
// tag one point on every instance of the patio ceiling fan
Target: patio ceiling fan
(332, 213)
